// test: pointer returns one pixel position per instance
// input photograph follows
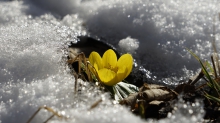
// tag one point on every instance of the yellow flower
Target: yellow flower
(110, 70)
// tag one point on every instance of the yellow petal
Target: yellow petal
(126, 61)
(106, 76)
(121, 74)
(96, 67)
(109, 59)
(95, 58)
(112, 82)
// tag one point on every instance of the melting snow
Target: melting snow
(34, 34)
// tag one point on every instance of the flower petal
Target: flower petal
(109, 59)
(95, 58)
(126, 61)
(121, 74)
(106, 76)
(96, 67)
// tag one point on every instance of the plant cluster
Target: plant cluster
(108, 72)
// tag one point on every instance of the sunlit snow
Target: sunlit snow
(35, 33)
(129, 45)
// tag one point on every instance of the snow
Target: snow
(193, 113)
(128, 45)
(35, 33)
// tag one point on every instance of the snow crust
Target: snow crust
(129, 45)
(35, 33)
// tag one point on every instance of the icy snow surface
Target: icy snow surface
(34, 34)
(129, 45)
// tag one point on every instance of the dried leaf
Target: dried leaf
(156, 94)
(150, 86)
(148, 93)
(156, 102)
(130, 100)
(184, 88)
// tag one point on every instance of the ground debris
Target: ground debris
(150, 92)
(151, 97)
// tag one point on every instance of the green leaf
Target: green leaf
(212, 82)
(129, 88)
(122, 90)
(212, 98)
(203, 68)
